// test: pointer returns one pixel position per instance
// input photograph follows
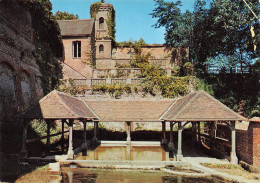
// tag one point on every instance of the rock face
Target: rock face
(20, 78)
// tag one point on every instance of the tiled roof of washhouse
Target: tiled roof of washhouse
(131, 110)
(200, 106)
(58, 105)
(83, 27)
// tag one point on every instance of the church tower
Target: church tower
(103, 20)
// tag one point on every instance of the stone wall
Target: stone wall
(20, 78)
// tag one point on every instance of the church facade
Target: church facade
(88, 50)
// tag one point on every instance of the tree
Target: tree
(65, 16)
(221, 27)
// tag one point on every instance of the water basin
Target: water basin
(128, 176)
(128, 153)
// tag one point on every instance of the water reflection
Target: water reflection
(83, 175)
(129, 153)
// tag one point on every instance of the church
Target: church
(90, 50)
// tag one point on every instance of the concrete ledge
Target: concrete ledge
(145, 165)
(133, 143)
(201, 174)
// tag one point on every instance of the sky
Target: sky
(132, 17)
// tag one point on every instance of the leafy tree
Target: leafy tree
(221, 27)
(65, 16)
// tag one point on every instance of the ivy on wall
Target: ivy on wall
(47, 40)
(111, 22)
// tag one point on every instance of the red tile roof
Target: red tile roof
(57, 105)
(200, 106)
(140, 110)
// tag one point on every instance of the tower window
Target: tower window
(101, 23)
(101, 48)
(77, 49)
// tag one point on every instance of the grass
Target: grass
(234, 170)
(222, 166)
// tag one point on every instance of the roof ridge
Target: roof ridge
(187, 104)
(223, 105)
(160, 118)
(76, 20)
(91, 109)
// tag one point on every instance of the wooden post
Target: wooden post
(48, 135)
(84, 145)
(212, 134)
(94, 139)
(128, 131)
(164, 140)
(70, 154)
(62, 135)
(171, 145)
(193, 135)
(179, 155)
(233, 156)
(199, 137)
(23, 152)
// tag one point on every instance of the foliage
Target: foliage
(94, 9)
(223, 24)
(65, 16)
(237, 91)
(111, 24)
(49, 66)
(69, 87)
(188, 69)
(47, 40)
(111, 21)
(114, 90)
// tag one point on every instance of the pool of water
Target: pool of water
(128, 153)
(80, 175)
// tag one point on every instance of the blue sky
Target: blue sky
(132, 17)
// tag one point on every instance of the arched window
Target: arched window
(101, 48)
(101, 23)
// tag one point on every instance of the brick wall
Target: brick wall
(82, 65)
(20, 77)
(248, 144)
(256, 142)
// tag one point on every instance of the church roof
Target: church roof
(58, 105)
(81, 27)
(200, 106)
(129, 110)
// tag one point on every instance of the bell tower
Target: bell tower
(102, 37)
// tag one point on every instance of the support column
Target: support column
(233, 156)
(171, 145)
(84, 145)
(199, 136)
(212, 134)
(128, 131)
(70, 154)
(94, 139)
(164, 140)
(193, 135)
(23, 152)
(62, 135)
(48, 136)
(179, 155)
